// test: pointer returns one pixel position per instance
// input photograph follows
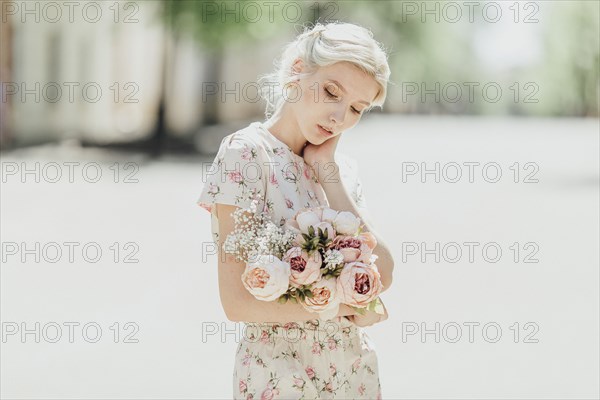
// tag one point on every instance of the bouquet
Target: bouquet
(320, 258)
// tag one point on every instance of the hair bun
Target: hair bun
(317, 29)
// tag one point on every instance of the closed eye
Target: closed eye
(332, 96)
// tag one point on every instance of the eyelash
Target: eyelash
(329, 94)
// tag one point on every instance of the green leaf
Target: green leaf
(361, 311)
(376, 306)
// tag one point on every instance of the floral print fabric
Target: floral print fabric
(332, 359)
(336, 363)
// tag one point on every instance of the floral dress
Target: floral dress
(316, 359)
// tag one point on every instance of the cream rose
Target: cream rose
(346, 223)
(359, 284)
(305, 268)
(266, 277)
(305, 219)
(325, 300)
(328, 215)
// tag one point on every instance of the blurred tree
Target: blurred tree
(216, 25)
(422, 54)
(570, 73)
(6, 52)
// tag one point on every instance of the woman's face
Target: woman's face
(333, 97)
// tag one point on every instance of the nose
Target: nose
(338, 116)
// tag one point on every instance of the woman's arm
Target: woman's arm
(238, 303)
(340, 200)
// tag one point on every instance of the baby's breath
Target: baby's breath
(256, 234)
(333, 258)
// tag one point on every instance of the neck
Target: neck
(285, 128)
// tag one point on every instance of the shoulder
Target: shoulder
(247, 141)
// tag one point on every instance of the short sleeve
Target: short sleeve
(349, 174)
(235, 177)
(358, 196)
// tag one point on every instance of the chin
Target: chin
(313, 138)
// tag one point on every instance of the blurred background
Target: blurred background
(127, 72)
(144, 91)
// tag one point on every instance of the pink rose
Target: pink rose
(359, 284)
(361, 389)
(310, 372)
(235, 176)
(290, 325)
(331, 343)
(246, 153)
(307, 173)
(356, 364)
(353, 248)
(369, 239)
(316, 348)
(305, 268)
(329, 387)
(325, 299)
(332, 369)
(246, 360)
(289, 203)
(267, 394)
(299, 382)
(243, 386)
(264, 337)
(213, 189)
(266, 277)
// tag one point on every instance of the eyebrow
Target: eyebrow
(344, 90)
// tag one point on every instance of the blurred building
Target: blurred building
(100, 78)
(100, 71)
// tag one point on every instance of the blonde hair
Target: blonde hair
(324, 45)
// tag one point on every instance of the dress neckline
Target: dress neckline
(262, 126)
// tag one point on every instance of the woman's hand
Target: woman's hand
(321, 157)
(321, 153)
(370, 318)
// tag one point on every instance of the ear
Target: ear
(297, 66)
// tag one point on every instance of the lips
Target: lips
(324, 131)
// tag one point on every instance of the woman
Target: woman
(330, 75)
